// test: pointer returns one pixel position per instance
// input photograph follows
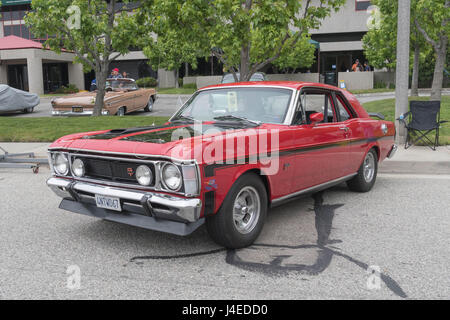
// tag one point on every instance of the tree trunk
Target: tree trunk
(101, 76)
(177, 75)
(415, 75)
(438, 77)
(186, 69)
(245, 63)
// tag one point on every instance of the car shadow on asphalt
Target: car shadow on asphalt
(297, 238)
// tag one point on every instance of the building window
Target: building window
(361, 5)
(13, 24)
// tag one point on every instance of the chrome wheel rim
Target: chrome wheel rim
(246, 210)
(150, 105)
(369, 167)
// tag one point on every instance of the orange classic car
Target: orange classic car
(122, 96)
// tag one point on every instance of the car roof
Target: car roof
(297, 85)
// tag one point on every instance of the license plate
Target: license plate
(77, 109)
(108, 202)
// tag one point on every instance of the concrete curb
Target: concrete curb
(445, 92)
(411, 167)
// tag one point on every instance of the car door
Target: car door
(321, 148)
(357, 142)
(141, 98)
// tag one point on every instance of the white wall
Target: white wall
(347, 19)
(208, 81)
(357, 80)
(305, 77)
(76, 75)
(166, 79)
(3, 74)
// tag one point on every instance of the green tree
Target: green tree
(167, 44)
(380, 42)
(245, 35)
(97, 31)
(434, 24)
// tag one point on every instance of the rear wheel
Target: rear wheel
(121, 112)
(367, 173)
(149, 107)
(28, 110)
(241, 217)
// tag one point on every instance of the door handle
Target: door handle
(344, 128)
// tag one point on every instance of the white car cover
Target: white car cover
(12, 99)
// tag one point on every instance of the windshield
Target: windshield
(121, 84)
(266, 105)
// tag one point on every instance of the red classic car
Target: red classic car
(231, 152)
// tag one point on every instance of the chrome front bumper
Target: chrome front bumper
(392, 152)
(69, 113)
(148, 210)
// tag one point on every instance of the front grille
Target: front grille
(113, 170)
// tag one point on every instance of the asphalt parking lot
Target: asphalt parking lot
(330, 245)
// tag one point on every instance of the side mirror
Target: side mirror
(316, 118)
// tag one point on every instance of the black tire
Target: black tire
(149, 106)
(361, 183)
(222, 226)
(28, 110)
(121, 111)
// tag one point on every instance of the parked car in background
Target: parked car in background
(231, 152)
(15, 100)
(123, 96)
(229, 78)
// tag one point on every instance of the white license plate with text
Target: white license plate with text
(110, 203)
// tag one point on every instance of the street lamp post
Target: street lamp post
(402, 69)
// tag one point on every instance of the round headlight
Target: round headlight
(61, 164)
(171, 177)
(78, 168)
(144, 175)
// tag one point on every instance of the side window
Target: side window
(343, 112)
(318, 103)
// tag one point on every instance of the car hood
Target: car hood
(179, 141)
(83, 98)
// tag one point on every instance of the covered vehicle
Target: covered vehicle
(229, 154)
(122, 96)
(13, 100)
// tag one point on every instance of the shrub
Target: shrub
(71, 88)
(190, 86)
(147, 82)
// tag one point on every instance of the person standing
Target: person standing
(366, 66)
(356, 66)
(116, 74)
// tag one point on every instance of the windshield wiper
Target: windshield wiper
(232, 117)
(182, 118)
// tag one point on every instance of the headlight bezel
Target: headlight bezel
(163, 180)
(55, 165)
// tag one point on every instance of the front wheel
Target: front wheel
(241, 217)
(149, 106)
(367, 174)
(121, 112)
(28, 110)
